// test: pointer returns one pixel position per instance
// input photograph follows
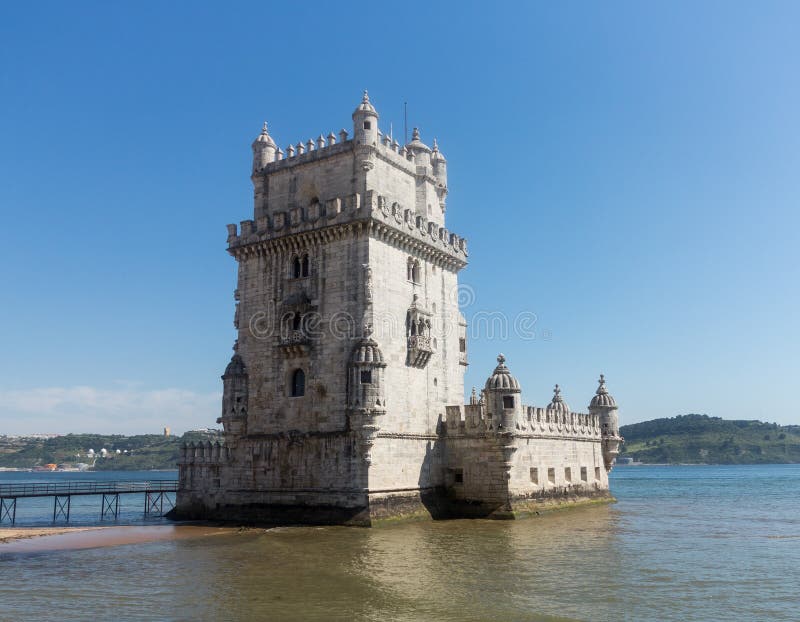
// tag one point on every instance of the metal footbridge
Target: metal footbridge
(156, 493)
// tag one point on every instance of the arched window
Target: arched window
(305, 266)
(297, 321)
(296, 268)
(298, 383)
(415, 272)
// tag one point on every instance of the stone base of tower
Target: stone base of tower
(274, 508)
(374, 508)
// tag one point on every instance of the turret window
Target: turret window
(301, 266)
(367, 125)
(298, 383)
(366, 376)
(508, 401)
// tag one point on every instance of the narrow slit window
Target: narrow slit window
(298, 383)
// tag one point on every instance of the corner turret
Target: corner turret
(420, 151)
(605, 407)
(365, 123)
(366, 394)
(439, 163)
(503, 397)
(234, 397)
(264, 149)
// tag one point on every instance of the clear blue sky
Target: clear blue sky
(627, 171)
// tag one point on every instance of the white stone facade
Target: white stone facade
(351, 351)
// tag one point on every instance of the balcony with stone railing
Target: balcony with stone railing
(419, 350)
(295, 343)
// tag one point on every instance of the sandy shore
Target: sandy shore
(7, 534)
(31, 539)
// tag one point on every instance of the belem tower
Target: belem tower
(343, 401)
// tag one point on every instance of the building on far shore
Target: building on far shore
(343, 401)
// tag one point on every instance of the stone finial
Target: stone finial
(342, 135)
(301, 148)
(473, 398)
(601, 390)
(435, 145)
(501, 359)
(415, 134)
(367, 331)
(320, 141)
(557, 394)
(310, 145)
(365, 99)
(331, 139)
(290, 151)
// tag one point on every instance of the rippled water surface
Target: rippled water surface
(683, 543)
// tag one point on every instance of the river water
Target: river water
(682, 543)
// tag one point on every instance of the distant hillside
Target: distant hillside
(700, 439)
(136, 453)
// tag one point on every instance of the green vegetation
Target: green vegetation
(136, 453)
(700, 439)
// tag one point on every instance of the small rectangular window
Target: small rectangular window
(366, 376)
(462, 345)
(458, 476)
(584, 477)
(367, 125)
(534, 475)
(551, 475)
(568, 474)
(508, 401)
(597, 473)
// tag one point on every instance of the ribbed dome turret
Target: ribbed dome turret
(235, 367)
(367, 352)
(264, 139)
(416, 144)
(437, 155)
(603, 397)
(365, 107)
(558, 405)
(501, 379)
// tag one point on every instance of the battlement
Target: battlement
(387, 219)
(471, 420)
(203, 453)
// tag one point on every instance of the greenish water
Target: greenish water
(683, 543)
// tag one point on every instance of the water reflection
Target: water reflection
(449, 570)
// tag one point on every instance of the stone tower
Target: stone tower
(350, 340)
(343, 401)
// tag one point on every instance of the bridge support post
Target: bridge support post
(8, 509)
(154, 503)
(110, 505)
(61, 505)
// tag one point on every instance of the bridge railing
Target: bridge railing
(88, 487)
